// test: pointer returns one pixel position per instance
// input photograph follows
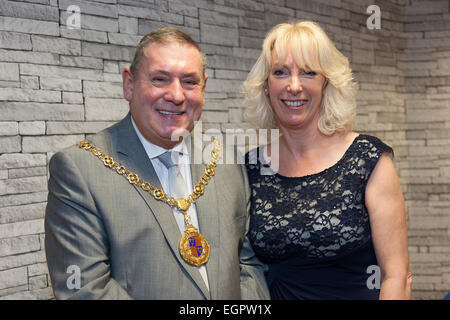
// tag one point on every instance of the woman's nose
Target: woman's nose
(295, 85)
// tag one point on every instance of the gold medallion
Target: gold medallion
(194, 248)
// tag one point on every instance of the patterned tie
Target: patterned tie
(177, 184)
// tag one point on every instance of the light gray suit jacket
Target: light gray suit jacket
(125, 243)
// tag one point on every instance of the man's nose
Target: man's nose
(295, 85)
(175, 92)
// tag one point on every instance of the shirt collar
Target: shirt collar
(154, 151)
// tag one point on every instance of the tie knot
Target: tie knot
(170, 158)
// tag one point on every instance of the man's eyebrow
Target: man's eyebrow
(190, 74)
(160, 71)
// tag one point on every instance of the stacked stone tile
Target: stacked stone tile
(426, 170)
(59, 85)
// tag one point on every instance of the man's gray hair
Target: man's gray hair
(165, 36)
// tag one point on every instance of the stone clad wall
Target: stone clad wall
(58, 85)
(426, 171)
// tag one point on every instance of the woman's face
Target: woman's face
(295, 94)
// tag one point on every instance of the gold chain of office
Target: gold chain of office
(193, 246)
(157, 193)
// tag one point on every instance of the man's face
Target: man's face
(167, 94)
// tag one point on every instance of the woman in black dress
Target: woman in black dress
(327, 211)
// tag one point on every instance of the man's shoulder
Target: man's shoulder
(79, 156)
(103, 139)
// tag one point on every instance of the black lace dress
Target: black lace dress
(314, 231)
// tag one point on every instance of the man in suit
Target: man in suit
(123, 242)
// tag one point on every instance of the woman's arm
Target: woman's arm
(384, 201)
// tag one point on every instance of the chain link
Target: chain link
(159, 194)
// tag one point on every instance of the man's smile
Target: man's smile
(170, 113)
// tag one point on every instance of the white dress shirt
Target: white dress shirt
(153, 152)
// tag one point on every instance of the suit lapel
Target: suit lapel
(132, 155)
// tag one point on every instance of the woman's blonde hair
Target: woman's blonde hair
(313, 51)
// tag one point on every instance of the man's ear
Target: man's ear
(205, 78)
(127, 83)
